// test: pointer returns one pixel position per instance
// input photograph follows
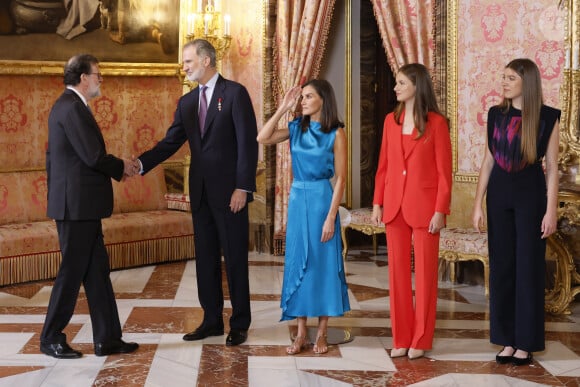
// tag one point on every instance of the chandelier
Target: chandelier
(208, 23)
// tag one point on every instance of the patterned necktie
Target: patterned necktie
(202, 110)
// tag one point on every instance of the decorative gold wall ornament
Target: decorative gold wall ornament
(570, 90)
(561, 248)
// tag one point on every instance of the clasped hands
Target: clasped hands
(132, 167)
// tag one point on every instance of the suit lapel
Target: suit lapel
(95, 123)
(189, 107)
(195, 108)
(215, 104)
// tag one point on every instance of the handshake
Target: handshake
(132, 167)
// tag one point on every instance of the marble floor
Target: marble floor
(158, 304)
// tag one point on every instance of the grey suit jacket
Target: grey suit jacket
(78, 168)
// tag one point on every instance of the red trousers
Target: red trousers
(413, 324)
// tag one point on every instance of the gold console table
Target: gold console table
(562, 247)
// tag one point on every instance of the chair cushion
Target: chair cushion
(467, 241)
(363, 216)
(177, 201)
(28, 238)
(41, 237)
(23, 197)
(135, 226)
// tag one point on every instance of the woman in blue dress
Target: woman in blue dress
(314, 281)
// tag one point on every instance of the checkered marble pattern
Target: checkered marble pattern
(158, 304)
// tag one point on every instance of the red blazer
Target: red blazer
(420, 184)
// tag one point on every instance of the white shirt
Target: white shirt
(210, 88)
(79, 94)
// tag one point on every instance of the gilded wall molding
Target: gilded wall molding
(451, 100)
(8, 67)
(348, 96)
(570, 89)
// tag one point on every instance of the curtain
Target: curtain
(301, 31)
(406, 28)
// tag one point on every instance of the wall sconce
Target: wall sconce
(207, 23)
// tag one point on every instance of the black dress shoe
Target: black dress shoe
(114, 347)
(504, 359)
(518, 361)
(236, 337)
(60, 351)
(201, 333)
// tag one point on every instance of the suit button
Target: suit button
(404, 172)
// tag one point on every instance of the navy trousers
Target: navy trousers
(516, 204)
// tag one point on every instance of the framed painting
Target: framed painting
(130, 37)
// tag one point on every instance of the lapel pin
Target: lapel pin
(219, 104)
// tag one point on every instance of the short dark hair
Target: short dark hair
(76, 66)
(204, 48)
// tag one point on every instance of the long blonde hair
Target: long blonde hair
(532, 100)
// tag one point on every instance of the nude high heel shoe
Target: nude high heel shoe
(415, 353)
(398, 352)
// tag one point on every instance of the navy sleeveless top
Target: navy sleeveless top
(504, 135)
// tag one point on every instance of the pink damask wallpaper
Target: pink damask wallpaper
(490, 34)
(133, 113)
(244, 61)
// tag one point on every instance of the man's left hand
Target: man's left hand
(238, 200)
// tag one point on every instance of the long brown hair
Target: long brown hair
(425, 100)
(532, 100)
(329, 111)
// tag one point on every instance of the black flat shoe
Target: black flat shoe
(518, 361)
(201, 333)
(504, 359)
(60, 351)
(114, 347)
(236, 337)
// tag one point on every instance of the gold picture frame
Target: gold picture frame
(452, 91)
(149, 48)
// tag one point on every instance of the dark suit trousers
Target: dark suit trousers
(84, 260)
(217, 230)
(516, 204)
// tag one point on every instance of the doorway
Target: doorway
(377, 99)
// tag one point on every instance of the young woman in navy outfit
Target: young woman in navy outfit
(522, 134)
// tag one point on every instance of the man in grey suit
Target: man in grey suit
(217, 120)
(80, 194)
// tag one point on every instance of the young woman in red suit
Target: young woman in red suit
(412, 197)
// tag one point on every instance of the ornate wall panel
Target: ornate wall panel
(492, 34)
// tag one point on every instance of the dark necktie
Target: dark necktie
(202, 109)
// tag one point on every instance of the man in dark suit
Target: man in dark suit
(222, 178)
(80, 194)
